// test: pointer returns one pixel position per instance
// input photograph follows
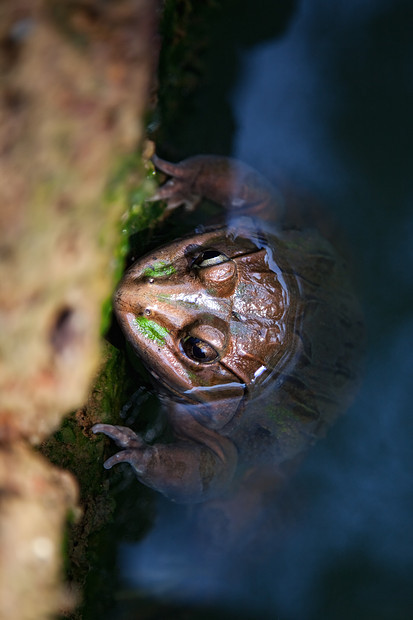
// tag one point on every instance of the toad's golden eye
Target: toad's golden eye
(208, 258)
(198, 350)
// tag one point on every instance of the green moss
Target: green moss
(151, 330)
(72, 446)
(66, 434)
(75, 448)
(132, 183)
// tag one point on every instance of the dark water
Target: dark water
(327, 103)
(331, 102)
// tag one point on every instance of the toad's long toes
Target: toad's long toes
(131, 456)
(121, 435)
(175, 193)
(173, 170)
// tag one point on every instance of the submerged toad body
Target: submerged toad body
(252, 337)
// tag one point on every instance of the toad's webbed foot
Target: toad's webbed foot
(125, 438)
(179, 189)
(184, 471)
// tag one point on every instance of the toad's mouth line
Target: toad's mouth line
(190, 393)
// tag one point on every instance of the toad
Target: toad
(250, 331)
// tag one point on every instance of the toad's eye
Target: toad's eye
(198, 350)
(210, 257)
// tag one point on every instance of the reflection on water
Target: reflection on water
(329, 105)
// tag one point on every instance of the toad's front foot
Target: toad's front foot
(179, 189)
(124, 437)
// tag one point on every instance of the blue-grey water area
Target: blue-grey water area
(326, 102)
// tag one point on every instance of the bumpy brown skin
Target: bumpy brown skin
(253, 337)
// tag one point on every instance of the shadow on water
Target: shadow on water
(327, 104)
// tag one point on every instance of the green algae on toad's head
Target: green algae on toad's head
(151, 329)
(159, 270)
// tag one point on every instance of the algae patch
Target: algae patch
(160, 269)
(151, 330)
